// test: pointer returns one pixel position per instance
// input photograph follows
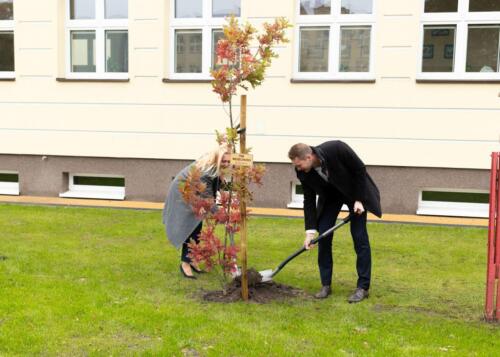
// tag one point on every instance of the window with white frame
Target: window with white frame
(196, 26)
(7, 39)
(9, 183)
(97, 39)
(335, 40)
(460, 40)
(108, 187)
(453, 202)
(298, 198)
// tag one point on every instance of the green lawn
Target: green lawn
(81, 281)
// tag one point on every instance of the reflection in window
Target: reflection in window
(117, 51)
(315, 7)
(482, 49)
(82, 9)
(83, 51)
(484, 5)
(355, 49)
(188, 8)
(6, 10)
(7, 51)
(356, 6)
(188, 54)
(223, 8)
(216, 36)
(439, 49)
(314, 44)
(441, 5)
(116, 9)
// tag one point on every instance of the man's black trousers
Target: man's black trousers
(360, 239)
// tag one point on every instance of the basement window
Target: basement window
(9, 183)
(95, 186)
(298, 198)
(459, 203)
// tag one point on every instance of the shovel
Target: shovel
(267, 275)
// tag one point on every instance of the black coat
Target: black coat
(347, 180)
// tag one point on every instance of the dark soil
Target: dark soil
(257, 291)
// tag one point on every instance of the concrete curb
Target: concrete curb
(256, 211)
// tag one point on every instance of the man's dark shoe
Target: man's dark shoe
(358, 295)
(324, 292)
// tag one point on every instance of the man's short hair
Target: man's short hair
(300, 151)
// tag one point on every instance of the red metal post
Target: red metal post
(493, 231)
(497, 240)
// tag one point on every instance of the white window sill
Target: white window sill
(9, 188)
(92, 79)
(450, 78)
(189, 77)
(476, 210)
(300, 205)
(177, 80)
(332, 80)
(7, 76)
(102, 195)
(295, 205)
(334, 76)
(98, 75)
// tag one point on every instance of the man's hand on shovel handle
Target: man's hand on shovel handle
(358, 208)
(307, 241)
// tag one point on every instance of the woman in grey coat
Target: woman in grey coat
(180, 222)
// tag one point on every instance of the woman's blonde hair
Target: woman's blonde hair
(210, 162)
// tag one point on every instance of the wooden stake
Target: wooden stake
(243, 206)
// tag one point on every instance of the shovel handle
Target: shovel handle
(314, 241)
(329, 231)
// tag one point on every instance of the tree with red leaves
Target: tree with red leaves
(237, 67)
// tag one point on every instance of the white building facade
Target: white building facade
(110, 98)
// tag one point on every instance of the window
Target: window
(461, 203)
(196, 26)
(95, 186)
(97, 32)
(9, 183)
(7, 39)
(335, 40)
(484, 5)
(441, 6)
(298, 198)
(482, 48)
(460, 40)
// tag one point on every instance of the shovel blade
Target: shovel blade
(267, 275)
(236, 273)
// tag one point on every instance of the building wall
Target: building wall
(395, 124)
(149, 179)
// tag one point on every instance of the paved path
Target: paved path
(257, 211)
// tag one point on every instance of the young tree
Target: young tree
(237, 67)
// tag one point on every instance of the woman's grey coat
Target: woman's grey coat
(178, 217)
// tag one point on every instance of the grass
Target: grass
(83, 281)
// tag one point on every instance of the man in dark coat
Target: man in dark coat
(333, 172)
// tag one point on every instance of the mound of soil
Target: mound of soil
(258, 291)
